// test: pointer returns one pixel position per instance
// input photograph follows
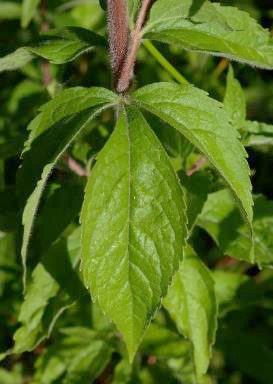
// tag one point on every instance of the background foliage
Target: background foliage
(55, 333)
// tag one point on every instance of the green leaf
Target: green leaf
(173, 354)
(9, 10)
(204, 123)
(234, 101)
(44, 301)
(10, 377)
(124, 373)
(63, 45)
(79, 356)
(16, 59)
(133, 227)
(57, 46)
(221, 219)
(64, 104)
(133, 6)
(258, 134)
(173, 141)
(38, 162)
(214, 29)
(29, 8)
(41, 289)
(191, 302)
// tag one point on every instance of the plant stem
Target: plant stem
(126, 75)
(164, 62)
(197, 166)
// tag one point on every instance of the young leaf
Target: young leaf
(39, 162)
(234, 101)
(57, 46)
(133, 227)
(29, 8)
(214, 29)
(204, 123)
(191, 302)
(222, 221)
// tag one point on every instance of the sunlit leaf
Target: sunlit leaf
(133, 227)
(204, 123)
(211, 28)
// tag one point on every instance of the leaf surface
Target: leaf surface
(221, 219)
(133, 227)
(191, 302)
(234, 100)
(211, 28)
(9, 10)
(29, 8)
(64, 104)
(41, 159)
(204, 123)
(57, 46)
(52, 288)
(78, 356)
(257, 134)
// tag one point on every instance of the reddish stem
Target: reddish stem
(127, 72)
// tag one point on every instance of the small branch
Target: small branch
(75, 167)
(126, 75)
(197, 166)
(164, 62)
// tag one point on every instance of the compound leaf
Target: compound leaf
(133, 227)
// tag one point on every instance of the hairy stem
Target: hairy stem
(118, 30)
(164, 63)
(126, 74)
